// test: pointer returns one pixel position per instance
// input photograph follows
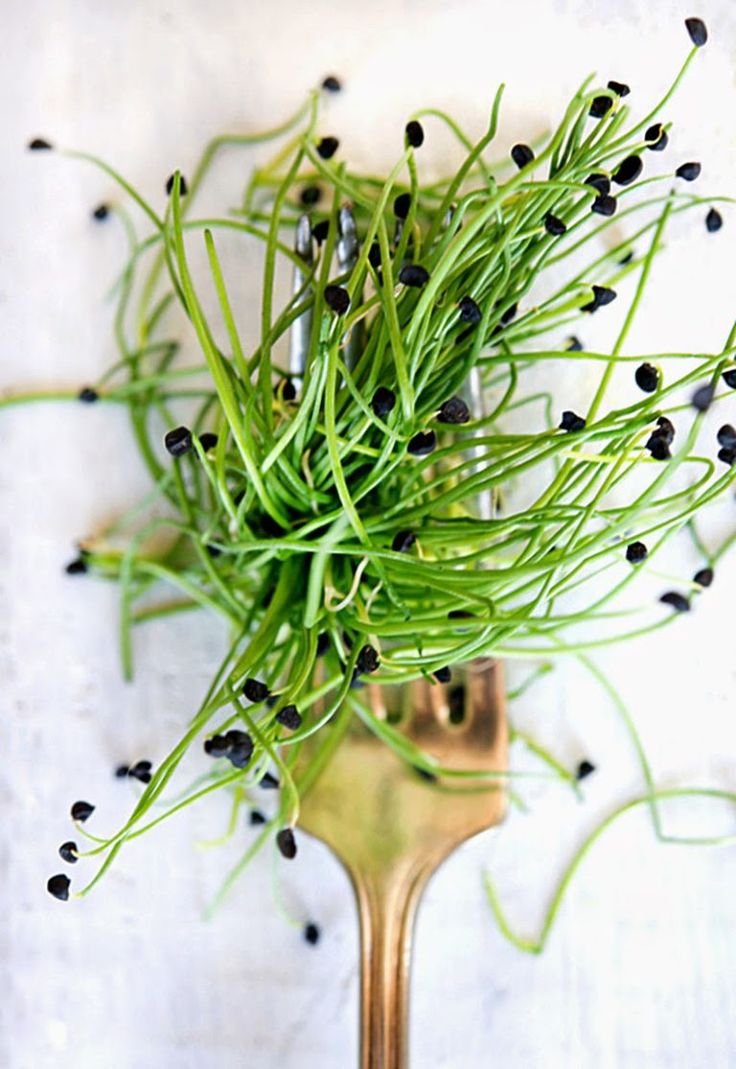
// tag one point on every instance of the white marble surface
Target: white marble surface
(639, 971)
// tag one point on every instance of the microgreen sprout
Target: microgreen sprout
(330, 519)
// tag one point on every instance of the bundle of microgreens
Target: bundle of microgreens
(330, 517)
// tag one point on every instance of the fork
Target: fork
(391, 825)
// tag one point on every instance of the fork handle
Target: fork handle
(387, 906)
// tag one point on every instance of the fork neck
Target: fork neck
(387, 904)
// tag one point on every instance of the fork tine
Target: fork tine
(301, 328)
(347, 256)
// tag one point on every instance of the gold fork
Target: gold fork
(391, 828)
(390, 825)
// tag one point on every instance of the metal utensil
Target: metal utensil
(390, 825)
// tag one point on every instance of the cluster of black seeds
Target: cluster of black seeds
(727, 442)
(59, 885)
(661, 439)
(236, 745)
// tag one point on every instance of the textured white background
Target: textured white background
(639, 971)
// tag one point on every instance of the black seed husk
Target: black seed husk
(82, 811)
(323, 643)
(254, 690)
(311, 933)
(310, 196)
(236, 737)
(443, 675)
(58, 886)
(697, 31)
(368, 660)
(688, 171)
(403, 541)
(121, 772)
(521, 155)
(88, 395)
(374, 255)
(677, 601)
(729, 377)
(217, 746)
(602, 295)
(574, 344)
(78, 566)
(702, 398)
(422, 444)
(727, 436)
(627, 171)
(604, 205)
(509, 314)
(454, 411)
(600, 106)
(647, 378)
(402, 204)
(414, 134)
(599, 182)
(619, 88)
(256, 817)
(268, 782)
(287, 389)
(327, 147)
(713, 221)
(38, 144)
(658, 448)
(636, 552)
(704, 577)
(656, 138)
(178, 441)
(383, 402)
(208, 440)
(665, 429)
(585, 768)
(182, 184)
(290, 717)
(469, 311)
(553, 225)
(413, 275)
(337, 298)
(100, 213)
(141, 771)
(728, 456)
(571, 422)
(286, 843)
(332, 84)
(241, 748)
(68, 852)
